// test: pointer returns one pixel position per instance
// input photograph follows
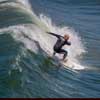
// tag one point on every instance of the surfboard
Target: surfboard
(72, 65)
(68, 64)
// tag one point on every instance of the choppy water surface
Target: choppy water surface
(25, 69)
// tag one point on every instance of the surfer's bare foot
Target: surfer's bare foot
(65, 60)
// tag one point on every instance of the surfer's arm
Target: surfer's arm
(58, 36)
(68, 43)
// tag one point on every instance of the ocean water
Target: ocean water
(27, 71)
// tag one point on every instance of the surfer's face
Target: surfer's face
(66, 37)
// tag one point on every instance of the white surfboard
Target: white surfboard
(68, 64)
(72, 65)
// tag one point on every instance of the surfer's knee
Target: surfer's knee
(66, 53)
(54, 53)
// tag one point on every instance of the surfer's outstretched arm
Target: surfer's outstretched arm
(58, 36)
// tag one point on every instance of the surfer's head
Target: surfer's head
(66, 37)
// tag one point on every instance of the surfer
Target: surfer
(62, 40)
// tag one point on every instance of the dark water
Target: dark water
(24, 73)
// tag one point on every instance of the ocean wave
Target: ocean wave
(26, 67)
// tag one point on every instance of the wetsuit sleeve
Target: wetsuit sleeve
(58, 36)
(68, 43)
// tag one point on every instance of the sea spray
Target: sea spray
(38, 32)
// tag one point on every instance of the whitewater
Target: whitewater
(37, 32)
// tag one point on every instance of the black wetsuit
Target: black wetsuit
(59, 44)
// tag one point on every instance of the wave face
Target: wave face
(26, 70)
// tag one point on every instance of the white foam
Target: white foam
(38, 31)
(76, 48)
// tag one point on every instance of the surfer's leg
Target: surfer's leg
(65, 55)
(54, 53)
(64, 52)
